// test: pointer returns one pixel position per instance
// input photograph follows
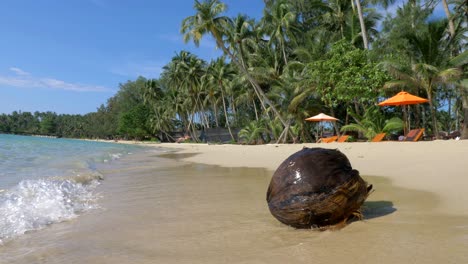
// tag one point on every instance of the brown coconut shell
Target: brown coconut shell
(316, 188)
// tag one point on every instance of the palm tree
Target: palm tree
(279, 23)
(461, 61)
(207, 21)
(163, 107)
(365, 39)
(253, 133)
(184, 73)
(218, 74)
(245, 97)
(153, 91)
(449, 18)
(293, 98)
(431, 68)
(243, 37)
(334, 19)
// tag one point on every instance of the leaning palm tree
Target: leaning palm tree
(449, 18)
(240, 35)
(207, 20)
(365, 36)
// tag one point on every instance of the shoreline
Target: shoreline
(432, 166)
(163, 205)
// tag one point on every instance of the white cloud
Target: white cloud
(145, 69)
(18, 71)
(58, 84)
(23, 79)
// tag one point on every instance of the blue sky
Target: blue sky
(69, 56)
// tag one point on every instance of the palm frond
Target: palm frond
(460, 60)
(450, 74)
(393, 124)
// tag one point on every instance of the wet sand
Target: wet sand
(439, 167)
(165, 210)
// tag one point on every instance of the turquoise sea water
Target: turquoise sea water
(49, 180)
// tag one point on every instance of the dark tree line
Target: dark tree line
(124, 116)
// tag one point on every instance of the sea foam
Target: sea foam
(49, 180)
(34, 204)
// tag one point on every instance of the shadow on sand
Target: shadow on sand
(374, 209)
(176, 156)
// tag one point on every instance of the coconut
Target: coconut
(316, 188)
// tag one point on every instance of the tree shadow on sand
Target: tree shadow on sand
(374, 209)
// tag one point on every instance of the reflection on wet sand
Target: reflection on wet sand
(157, 210)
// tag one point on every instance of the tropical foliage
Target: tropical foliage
(373, 122)
(300, 58)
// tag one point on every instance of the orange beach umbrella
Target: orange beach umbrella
(320, 118)
(403, 98)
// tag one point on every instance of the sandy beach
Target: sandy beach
(199, 203)
(439, 167)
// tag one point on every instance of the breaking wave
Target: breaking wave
(36, 203)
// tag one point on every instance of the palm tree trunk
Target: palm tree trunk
(215, 114)
(285, 138)
(449, 18)
(189, 125)
(284, 133)
(226, 116)
(334, 123)
(255, 109)
(233, 106)
(356, 107)
(241, 52)
(405, 120)
(284, 53)
(259, 97)
(242, 63)
(417, 115)
(435, 130)
(254, 83)
(365, 39)
(203, 114)
(464, 134)
(449, 110)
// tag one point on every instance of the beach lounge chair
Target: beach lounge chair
(342, 139)
(414, 135)
(379, 137)
(328, 139)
